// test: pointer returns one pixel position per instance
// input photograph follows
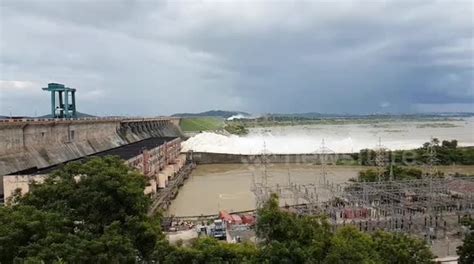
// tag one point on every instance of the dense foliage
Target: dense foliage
(85, 213)
(466, 250)
(288, 238)
(398, 173)
(447, 153)
(96, 213)
(236, 128)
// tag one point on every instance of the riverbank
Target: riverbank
(164, 196)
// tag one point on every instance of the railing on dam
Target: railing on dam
(122, 119)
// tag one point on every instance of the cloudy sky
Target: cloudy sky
(161, 57)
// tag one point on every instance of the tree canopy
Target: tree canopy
(290, 238)
(447, 153)
(466, 250)
(399, 173)
(91, 212)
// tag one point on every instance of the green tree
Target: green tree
(210, 250)
(449, 144)
(110, 247)
(466, 250)
(94, 212)
(291, 238)
(350, 246)
(399, 173)
(99, 192)
(400, 249)
(24, 226)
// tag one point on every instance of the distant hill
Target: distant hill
(212, 113)
(14, 117)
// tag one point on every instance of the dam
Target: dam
(33, 148)
(30, 149)
(40, 143)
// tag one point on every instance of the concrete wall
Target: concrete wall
(22, 182)
(43, 143)
(216, 158)
(166, 161)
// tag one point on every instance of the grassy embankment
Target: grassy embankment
(200, 124)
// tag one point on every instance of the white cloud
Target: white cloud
(385, 104)
(14, 86)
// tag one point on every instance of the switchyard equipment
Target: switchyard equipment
(430, 207)
(63, 108)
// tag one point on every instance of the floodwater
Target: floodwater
(228, 186)
(341, 138)
(216, 187)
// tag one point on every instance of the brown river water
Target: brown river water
(215, 187)
(211, 188)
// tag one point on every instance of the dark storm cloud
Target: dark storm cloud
(144, 58)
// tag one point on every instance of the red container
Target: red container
(225, 216)
(248, 220)
(348, 214)
(236, 219)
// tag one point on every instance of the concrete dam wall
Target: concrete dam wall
(27, 144)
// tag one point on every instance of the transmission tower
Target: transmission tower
(324, 153)
(265, 160)
(431, 170)
(430, 174)
(380, 160)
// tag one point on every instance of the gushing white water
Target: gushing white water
(339, 138)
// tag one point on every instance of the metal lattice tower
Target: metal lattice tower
(323, 154)
(432, 160)
(431, 174)
(261, 188)
(265, 161)
(380, 160)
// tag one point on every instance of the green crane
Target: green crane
(62, 108)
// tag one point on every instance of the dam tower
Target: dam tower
(63, 108)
